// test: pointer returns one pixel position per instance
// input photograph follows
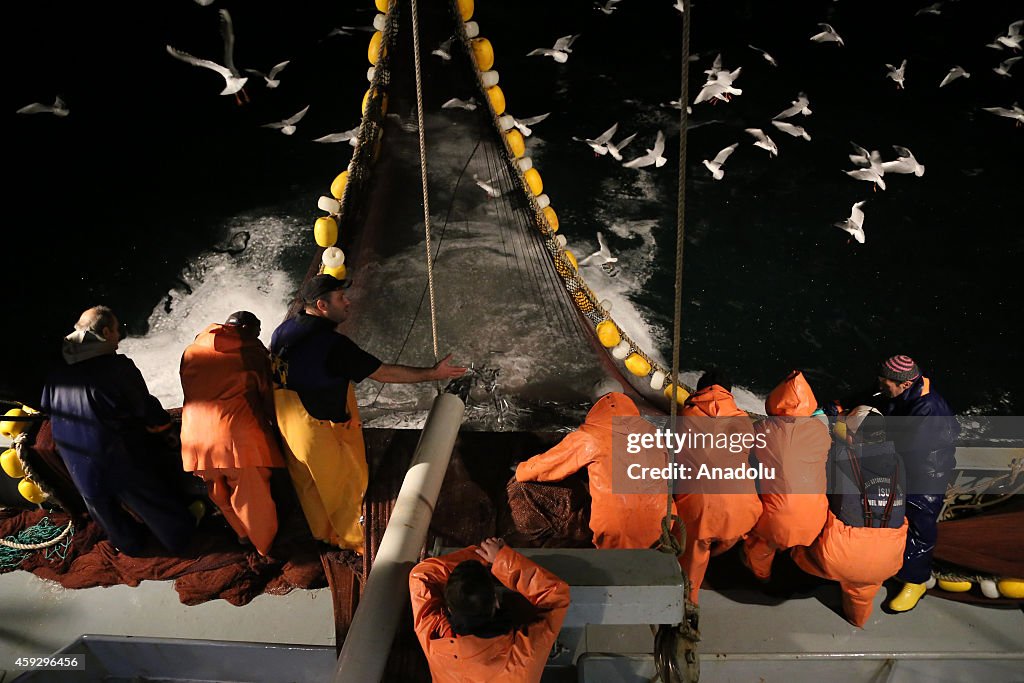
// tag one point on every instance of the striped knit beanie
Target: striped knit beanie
(899, 369)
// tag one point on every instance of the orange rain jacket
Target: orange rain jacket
(618, 520)
(515, 657)
(859, 558)
(714, 518)
(794, 501)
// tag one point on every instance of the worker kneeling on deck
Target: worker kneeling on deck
(462, 626)
(228, 431)
(717, 514)
(629, 519)
(796, 446)
(865, 533)
(314, 368)
(101, 410)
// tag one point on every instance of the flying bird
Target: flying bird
(227, 32)
(792, 129)
(763, 141)
(350, 136)
(524, 124)
(954, 73)
(714, 91)
(868, 174)
(1004, 66)
(487, 186)
(855, 223)
(456, 103)
(602, 253)
(444, 50)
(608, 7)
(271, 78)
(1013, 36)
(232, 83)
(897, 74)
(58, 109)
(715, 165)
(905, 163)
(767, 57)
(801, 105)
(288, 125)
(935, 8)
(653, 156)
(559, 52)
(1015, 113)
(869, 166)
(615, 148)
(680, 6)
(827, 35)
(600, 143)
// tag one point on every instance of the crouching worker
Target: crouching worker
(865, 533)
(460, 623)
(630, 518)
(228, 432)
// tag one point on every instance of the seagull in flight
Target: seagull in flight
(935, 8)
(1004, 66)
(715, 165)
(615, 148)
(524, 124)
(1016, 113)
(271, 78)
(1013, 36)
(897, 74)
(602, 253)
(232, 84)
(792, 129)
(714, 91)
(955, 73)
(905, 163)
(855, 223)
(801, 105)
(227, 32)
(456, 103)
(58, 109)
(767, 57)
(350, 136)
(827, 35)
(868, 174)
(487, 186)
(559, 52)
(444, 50)
(763, 141)
(653, 156)
(869, 166)
(608, 7)
(288, 125)
(600, 143)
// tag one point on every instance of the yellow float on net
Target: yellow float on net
(339, 272)
(30, 491)
(608, 334)
(954, 586)
(483, 53)
(368, 96)
(497, 98)
(516, 143)
(552, 218)
(325, 231)
(1011, 588)
(636, 364)
(377, 48)
(680, 393)
(11, 464)
(12, 428)
(338, 185)
(382, 5)
(466, 9)
(533, 179)
(571, 258)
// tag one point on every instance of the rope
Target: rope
(15, 549)
(423, 176)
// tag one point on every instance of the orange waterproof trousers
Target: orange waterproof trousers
(243, 496)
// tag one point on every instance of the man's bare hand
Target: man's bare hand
(489, 548)
(445, 370)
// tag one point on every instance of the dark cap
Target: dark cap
(319, 286)
(243, 319)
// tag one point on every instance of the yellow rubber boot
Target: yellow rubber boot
(908, 597)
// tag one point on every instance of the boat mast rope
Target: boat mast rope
(423, 176)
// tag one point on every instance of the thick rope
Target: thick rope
(423, 176)
(37, 546)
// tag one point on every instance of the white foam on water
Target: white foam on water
(221, 283)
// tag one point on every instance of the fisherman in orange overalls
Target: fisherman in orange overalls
(796, 447)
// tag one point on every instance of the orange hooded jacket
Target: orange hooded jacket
(515, 657)
(227, 418)
(714, 517)
(618, 520)
(794, 501)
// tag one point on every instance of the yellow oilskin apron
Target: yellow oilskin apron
(327, 464)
